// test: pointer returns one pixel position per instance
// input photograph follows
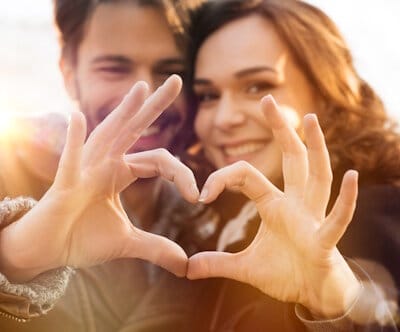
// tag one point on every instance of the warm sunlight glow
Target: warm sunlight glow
(6, 124)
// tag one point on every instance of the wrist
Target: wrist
(17, 261)
(335, 293)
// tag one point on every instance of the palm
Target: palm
(293, 257)
(285, 240)
(92, 236)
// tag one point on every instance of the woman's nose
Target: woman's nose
(229, 113)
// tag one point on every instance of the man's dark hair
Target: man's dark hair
(71, 17)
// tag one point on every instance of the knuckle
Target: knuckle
(243, 166)
(163, 154)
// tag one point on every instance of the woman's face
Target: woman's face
(236, 66)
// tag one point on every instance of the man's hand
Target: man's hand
(80, 221)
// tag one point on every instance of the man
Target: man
(107, 46)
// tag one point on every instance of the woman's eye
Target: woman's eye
(259, 88)
(206, 97)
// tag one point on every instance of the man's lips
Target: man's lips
(166, 121)
(159, 134)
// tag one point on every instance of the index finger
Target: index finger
(239, 176)
(149, 112)
(294, 155)
(110, 129)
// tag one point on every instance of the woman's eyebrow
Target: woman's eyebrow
(201, 81)
(254, 70)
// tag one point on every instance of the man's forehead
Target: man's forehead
(129, 31)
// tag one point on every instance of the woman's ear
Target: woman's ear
(68, 70)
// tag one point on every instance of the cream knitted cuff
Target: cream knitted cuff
(43, 291)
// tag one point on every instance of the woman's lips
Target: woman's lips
(242, 151)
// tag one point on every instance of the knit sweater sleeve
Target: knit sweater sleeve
(38, 296)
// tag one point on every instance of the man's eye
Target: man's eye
(114, 70)
(167, 73)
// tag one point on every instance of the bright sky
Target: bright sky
(30, 81)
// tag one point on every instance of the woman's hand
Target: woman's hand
(293, 257)
(80, 221)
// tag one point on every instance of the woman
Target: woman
(240, 52)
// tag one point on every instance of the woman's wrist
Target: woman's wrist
(334, 294)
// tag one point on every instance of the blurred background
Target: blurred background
(30, 80)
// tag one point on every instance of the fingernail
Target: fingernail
(267, 99)
(311, 116)
(354, 173)
(203, 196)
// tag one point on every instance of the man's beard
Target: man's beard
(170, 120)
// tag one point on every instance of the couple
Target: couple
(240, 52)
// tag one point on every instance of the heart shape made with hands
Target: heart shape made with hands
(292, 258)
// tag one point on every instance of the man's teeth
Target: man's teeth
(153, 130)
(243, 149)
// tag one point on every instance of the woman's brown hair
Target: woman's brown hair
(359, 133)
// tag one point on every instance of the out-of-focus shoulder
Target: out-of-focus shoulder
(45, 130)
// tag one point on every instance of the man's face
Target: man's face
(122, 44)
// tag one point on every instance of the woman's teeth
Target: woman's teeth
(153, 130)
(243, 149)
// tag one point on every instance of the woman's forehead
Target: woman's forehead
(249, 41)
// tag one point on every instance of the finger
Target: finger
(158, 250)
(214, 264)
(239, 176)
(319, 181)
(70, 160)
(160, 162)
(295, 165)
(150, 111)
(342, 213)
(108, 131)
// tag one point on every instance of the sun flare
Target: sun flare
(6, 125)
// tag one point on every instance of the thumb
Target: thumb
(213, 264)
(158, 250)
(70, 161)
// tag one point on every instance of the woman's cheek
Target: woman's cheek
(202, 126)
